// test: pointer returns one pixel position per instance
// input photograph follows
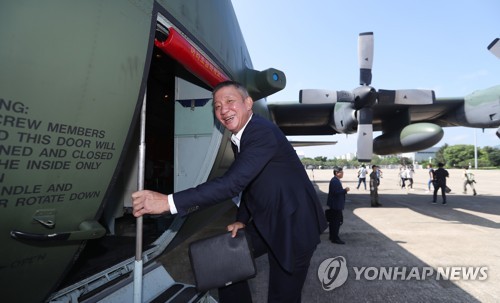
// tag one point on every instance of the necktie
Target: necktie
(236, 199)
(235, 149)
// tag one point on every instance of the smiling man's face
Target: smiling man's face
(231, 109)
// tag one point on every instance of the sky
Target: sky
(427, 44)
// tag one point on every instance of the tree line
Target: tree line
(454, 156)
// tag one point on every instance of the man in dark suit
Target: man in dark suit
(279, 207)
(336, 202)
(440, 176)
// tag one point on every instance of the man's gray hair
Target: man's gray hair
(243, 91)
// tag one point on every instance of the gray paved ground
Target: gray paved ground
(408, 231)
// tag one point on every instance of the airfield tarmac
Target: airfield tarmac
(406, 232)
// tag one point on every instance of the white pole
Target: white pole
(140, 186)
(475, 149)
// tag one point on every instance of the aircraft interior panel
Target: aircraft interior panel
(197, 136)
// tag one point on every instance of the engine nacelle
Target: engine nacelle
(480, 109)
(411, 138)
(344, 118)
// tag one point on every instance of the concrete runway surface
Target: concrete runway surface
(393, 253)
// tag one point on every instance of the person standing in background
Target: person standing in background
(379, 174)
(440, 176)
(402, 176)
(469, 180)
(409, 176)
(374, 187)
(336, 202)
(431, 176)
(362, 176)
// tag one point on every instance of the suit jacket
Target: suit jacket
(277, 193)
(336, 194)
(440, 176)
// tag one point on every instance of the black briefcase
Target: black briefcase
(220, 260)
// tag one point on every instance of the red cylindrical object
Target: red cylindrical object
(186, 54)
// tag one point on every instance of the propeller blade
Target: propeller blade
(317, 96)
(365, 57)
(494, 47)
(365, 135)
(406, 97)
(345, 96)
(324, 96)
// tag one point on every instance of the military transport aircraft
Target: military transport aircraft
(73, 80)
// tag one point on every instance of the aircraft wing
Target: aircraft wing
(311, 143)
(404, 127)
(303, 119)
(296, 119)
(442, 112)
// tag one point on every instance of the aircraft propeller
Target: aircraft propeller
(364, 97)
(494, 47)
